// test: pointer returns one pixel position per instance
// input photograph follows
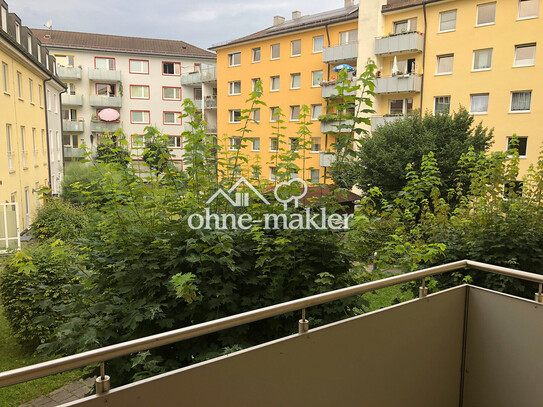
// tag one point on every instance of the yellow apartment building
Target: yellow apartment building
(292, 59)
(26, 68)
(473, 53)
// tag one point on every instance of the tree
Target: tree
(384, 156)
(110, 150)
(157, 153)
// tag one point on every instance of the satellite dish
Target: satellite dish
(49, 24)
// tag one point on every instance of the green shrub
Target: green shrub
(77, 177)
(59, 220)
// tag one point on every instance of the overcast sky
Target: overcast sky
(201, 23)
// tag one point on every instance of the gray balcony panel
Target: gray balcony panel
(210, 102)
(377, 121)
(399, 84)
(340, 53)
(332, 126)
(330, 90)
(71, 100)
(399, 44)
(73, 126)
(104, 75)
(72, 152)
(105, 101)
(206, 74)
(104, 127)
(70, 73)
(198, 104)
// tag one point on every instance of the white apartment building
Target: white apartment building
(139, 78)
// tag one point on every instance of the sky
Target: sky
(201, 23)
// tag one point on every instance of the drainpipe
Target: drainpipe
(47, 127)
(423, 57)
(328, 40)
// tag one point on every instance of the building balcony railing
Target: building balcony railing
(105, 75)
(404, 43)
(398, 84)
(377, 121)
(72, 152)
(68, 72)
(332, 126)
(340, 53)
(73, 126)
(104, 127)
(72, 100)
(198, 104)
(329, 89)
(210, 102)
(206, 74)
(105, 101)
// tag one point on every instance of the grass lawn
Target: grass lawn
(385, 297)
(13, 356)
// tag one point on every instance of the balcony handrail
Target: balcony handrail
(60, 365)
(340, 45)
(396, 34)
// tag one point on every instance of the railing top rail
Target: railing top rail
(110, 352)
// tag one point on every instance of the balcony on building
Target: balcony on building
(198, 104)
(402, 43)
(328, 89)
(72, 152)
(71, 100)
(104, 75)
(409, 83)
(205, 73)
(340, 53)
(378, 121)
(105, 101)
(332, 126)
(97, 126)
(70, 73)
(326, 158)
(73, 126)
(210, 102)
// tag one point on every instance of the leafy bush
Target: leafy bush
(59, 220)
(77, 177)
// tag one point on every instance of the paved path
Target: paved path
(70, 392)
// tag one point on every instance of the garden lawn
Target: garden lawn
(386, 297)
(12, 356)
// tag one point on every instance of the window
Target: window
(31, 91)
(274, 114)
(197, 67)
(255, 172)
(315, 144)
(234, 143)
(139, 117)
(4, 19)
(104, 63)
(5, 77)
(39, 52)
(525, 55)
(479, 103)
(294, 143)
(197, 93)
(40, 92)
(274, 144)
(34, 150)
(405, 26)
(444, 64)
(294, 113)
(274, 81)
(256, 54)
(273, 173)
(70, 140)
(256, 144)
(20, 85)
(48, 100)
(169, 93)
(65, 60)
(294, 81)
(174, 141)
(71, 88)
(512, 189)
(43, 148)
(521, 101)
(55, 102)
(254, 82)
(528, 8)
(348, 37)
(27, 208)
(29, 44)
(316, 78)
(316, 111)
(10, 150)
(18, 32)
(23, 147)
(234, 59)
(234, 116)
(69, 115)
(442, 104)
(256, 115)
(139, 92)
(482, 59)
(447, 21)
(106, 89)
(520, 144)
(234, 88)
(486, 14)
(315, 176)
(400, 106)
(138, 66)
(318, 43)
(172, 117)
(275, 51)
(171, 68)
(296, 48)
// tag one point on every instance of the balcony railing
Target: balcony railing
(106, 75)
(399, 44)
(329, 89)
(198, 104)
(398, 84)
(72, 152)
(71, 100)
(210, 102)
(326, 159)
(333, 126)
(340, 53)
(206, 74)
(73, 126)
(68, 72)
(105, 101)
(377, 121)
(104, 127)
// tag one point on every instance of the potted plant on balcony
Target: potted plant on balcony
(94, 118)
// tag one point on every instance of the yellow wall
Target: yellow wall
(20, 112)
(284, 98)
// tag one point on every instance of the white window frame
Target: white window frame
(292, 54)
(232, 116)
(441, 57)
(271, 51)
(273, 173)
(20, 85)
(322, 48)
(232, 58)
(9, 140)
(232, 88)
(272, 113)
(17, 32)
(40, 95)
(253, 55)
(34, 149)
(294, 117)
(272, 81)
(23, 147)
(255, 144)
(527, 17)
(255, 118)
(313, 79)
(313, 144)
(516, 64)
(473, 68)
(441, 97)
(234, 143)
(313, 116)
(272, 141)
(519, 154)
(511, 102)
(253, 83)
(4, 21)
(441, 21)
(312, 175)
(292, 77)
(294, 143)
(5, 81)
(471, 103)
(477, 15)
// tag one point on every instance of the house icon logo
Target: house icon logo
(241, 199)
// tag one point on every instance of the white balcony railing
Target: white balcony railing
(328, 89)
(73, 126)
(68, 72)
(332, 126)
(399, 44)
(106, 75)
(105, 101)
(71, 100)
(104, 127)
(72, 152)
(398, 84)
(206, 74)
(377, 121)
(340, 53)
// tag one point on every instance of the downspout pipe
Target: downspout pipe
(423, 56)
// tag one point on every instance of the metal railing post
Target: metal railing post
(423, 290)
(102, 382)
(539, 294)
(303, 324)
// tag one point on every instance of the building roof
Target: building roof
(117, 43)
(301, 23)
(393, 5)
